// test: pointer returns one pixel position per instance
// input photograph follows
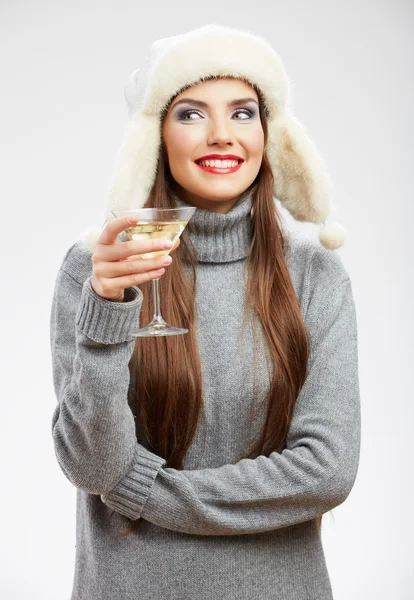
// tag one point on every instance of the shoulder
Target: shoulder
(77, 262)
(315, 271)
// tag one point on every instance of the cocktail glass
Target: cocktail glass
(161, 223)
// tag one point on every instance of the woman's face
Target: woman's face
(221, 117)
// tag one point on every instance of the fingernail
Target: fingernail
(166, 244)
(133, 218)
(166, 260)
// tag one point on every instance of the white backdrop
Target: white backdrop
(63, 116)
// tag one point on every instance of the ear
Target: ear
(300, 179)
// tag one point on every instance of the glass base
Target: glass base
(158, 328)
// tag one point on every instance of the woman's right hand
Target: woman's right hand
(117, 266)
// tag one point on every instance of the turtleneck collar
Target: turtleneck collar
(221, 238)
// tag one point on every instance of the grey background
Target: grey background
(63, 116)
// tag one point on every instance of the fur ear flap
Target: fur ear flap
(136, 163)
(300, 180)
(90, 236)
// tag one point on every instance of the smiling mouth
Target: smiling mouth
(220, 170)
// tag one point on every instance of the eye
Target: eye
(187, 113)
(244, 111)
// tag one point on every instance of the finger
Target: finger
(124, 250)
(115, 227)
(130, 267)
(134, 279)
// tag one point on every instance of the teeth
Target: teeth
(219, 164)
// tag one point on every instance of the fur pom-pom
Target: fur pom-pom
(90, 237)
(332, 236)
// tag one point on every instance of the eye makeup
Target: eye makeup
(181, 113)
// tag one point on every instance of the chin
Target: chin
(220, 191)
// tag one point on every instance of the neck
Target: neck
(216, 205)
(218, 237)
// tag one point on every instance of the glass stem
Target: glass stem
(156, 301)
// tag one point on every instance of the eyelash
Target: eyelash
(190, 111)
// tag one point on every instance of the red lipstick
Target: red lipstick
(219, 157)
(220, 171)
(217, 170)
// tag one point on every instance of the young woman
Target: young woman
(204, 462)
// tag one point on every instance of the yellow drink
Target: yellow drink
(152, 230)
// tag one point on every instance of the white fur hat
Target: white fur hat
(175, 63)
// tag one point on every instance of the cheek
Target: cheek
(256, 142)
(181, 143)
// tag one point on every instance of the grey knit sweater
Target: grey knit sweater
(215, 530)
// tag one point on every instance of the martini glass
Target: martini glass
(156, 223)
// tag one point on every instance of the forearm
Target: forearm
(245, 498)
(93, 426)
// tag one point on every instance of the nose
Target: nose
(220, 132)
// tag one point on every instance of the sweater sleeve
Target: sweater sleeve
(312, 475)
(93, 426)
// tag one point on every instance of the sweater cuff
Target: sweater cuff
(105, 321)
(131, 493)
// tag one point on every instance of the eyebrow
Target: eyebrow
(202, 104)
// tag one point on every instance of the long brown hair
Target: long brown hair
(169, 392)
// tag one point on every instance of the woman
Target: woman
(204, 462)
